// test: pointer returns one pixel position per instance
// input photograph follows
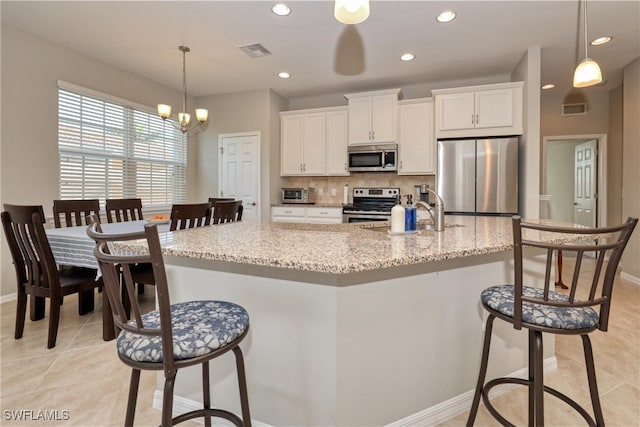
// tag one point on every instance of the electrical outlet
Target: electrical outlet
(320, 191)
(333, 192)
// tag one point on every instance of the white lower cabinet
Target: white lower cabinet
(324, 215)
(311, 215)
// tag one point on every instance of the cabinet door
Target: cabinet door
(383, 118)
(456, 111)
(415, 140)
(360, 120)
(287, 214)
(324, 215)
(313, 144)
(336, 148)
(291, 145)
(494, 108)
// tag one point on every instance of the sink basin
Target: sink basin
(420, 227)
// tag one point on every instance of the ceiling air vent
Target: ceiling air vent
(574, 109)
(255, 50)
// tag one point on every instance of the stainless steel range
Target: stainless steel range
(370, 204)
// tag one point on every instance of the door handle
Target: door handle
(575, 203)
(252, 204)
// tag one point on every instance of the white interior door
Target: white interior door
(239, 171)
(585, 185)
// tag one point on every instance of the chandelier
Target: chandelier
(184, 118)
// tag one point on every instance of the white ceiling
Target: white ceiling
(487, 38)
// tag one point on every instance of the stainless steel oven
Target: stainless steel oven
(370, 205)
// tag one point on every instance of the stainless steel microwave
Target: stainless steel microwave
(304, 195)
(373, 158)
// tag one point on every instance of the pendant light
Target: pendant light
(588, 71)
(164, 110)
(351, 11)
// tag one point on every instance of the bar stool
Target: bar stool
(173, 336)
(544, 310)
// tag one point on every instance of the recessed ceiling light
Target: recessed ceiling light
(446, 16)
(280, 9)
(601, 40)
(548, 86)
(284, 75)
(407, 56)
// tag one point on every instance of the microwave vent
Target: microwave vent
(579, 109)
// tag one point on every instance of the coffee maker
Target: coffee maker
(422, 192)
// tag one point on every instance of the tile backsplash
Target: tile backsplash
(325, 184)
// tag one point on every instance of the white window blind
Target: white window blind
(111, 150)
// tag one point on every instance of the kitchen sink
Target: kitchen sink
(420, 227)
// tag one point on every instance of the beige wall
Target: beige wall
(232, 113)
(614, 157)
(31, 67)
(528, 70)
(604, 117)
(630, 162)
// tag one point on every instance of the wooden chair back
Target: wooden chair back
(119, 210)
(598, 293)
(190, 215)
(29, 247)
(70, 213)
(213, 200)
(227, 211)
(117, 267)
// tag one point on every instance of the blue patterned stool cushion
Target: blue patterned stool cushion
(500, 299)
(199, 327)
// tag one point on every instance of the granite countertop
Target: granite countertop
(337, 248)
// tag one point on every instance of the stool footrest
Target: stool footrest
(511, 380)
(210, 412)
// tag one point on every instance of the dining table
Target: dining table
(71, 246)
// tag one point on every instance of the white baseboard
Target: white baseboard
(633, 279)
(448, 409)
(182, 405)
(9, 297)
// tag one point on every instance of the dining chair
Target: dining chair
(37, 274)
(582, 310)
(74, 212)
(227, 211)
(190, 215)
(119, 210)
(173, 336)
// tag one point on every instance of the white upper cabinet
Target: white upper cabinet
(373, 117)
(416, 142)
(476, 111)
(336, 142)
(313, 142)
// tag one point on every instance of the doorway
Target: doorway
(239, 171)
(565, 184)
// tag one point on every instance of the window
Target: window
(108, 149)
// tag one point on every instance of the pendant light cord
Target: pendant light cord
(184, 80)
(586, 54)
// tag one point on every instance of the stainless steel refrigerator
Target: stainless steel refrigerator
(478, 176)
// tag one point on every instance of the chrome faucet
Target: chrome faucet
(436, 212)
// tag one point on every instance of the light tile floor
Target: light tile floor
(83, 375)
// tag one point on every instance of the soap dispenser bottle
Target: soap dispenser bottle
(410, 215)
(397, 217)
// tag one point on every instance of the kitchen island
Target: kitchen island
(350, 325)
